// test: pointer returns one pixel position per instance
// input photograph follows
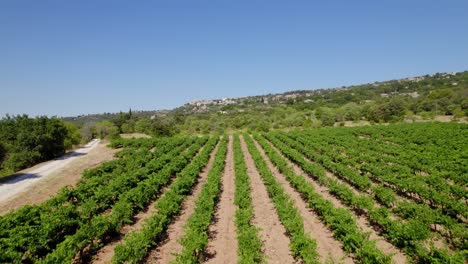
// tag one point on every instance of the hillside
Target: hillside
(414, 87)
(389, 101)
(422, 97)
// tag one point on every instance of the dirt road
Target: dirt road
(50, 176)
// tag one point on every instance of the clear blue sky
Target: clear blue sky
(77, 57)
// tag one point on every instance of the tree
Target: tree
(125, 121)
(87, 131)
(393, 110)
(294, 119)
(326, 116)
(143, 125)
(27, 141)
(351, 112)
(239, 122)
(162, 126)
(73, 135)
(106, 128)
(47, 136)
(2, 154)
(128, 127)
(464, 106)
(458, 113)
(158, 126)
(368, 111)
(442, 93)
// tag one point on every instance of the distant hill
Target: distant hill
(413, 87)
(389, 101)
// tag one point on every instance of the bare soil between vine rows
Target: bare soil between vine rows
(222, 247)
(272, 232)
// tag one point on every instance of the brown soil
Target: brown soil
(69, 175)
(439, 118)
(329, 249)
(357, 192)
(363, 224)
(166, 250)
(399, 199)
(105, 254)
(353, 123)
(222, 248)
(272, 232)
(135, 135)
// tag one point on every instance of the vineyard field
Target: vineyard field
(371, 194)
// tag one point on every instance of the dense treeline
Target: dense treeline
(25, 141)
(129, 123)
